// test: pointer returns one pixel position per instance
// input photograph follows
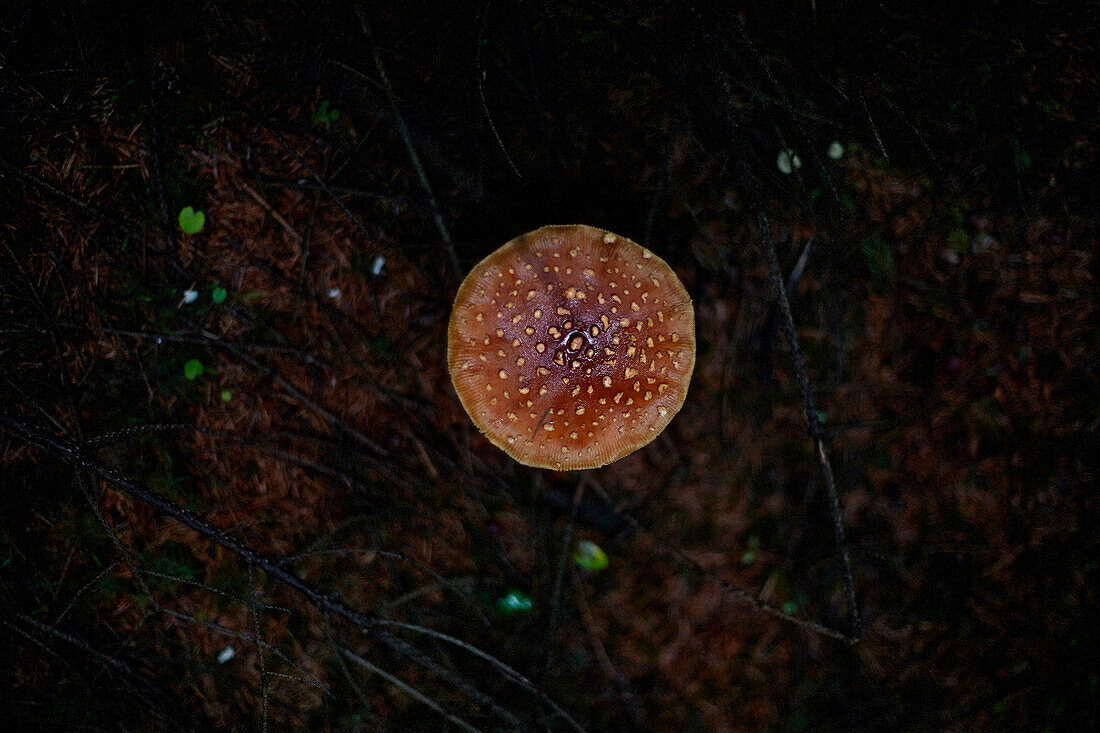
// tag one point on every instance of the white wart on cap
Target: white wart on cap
(571, 347)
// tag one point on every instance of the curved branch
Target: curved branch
(367, 623)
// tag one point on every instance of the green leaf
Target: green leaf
(590, 556)
(324, 115)
(193, 369)
(226, 395)
(191, 221)
(219, 295)
(513, 603)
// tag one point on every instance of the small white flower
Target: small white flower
(376, 267)
(190, 296)
(226, 654)
(334, 292)
(787, 161)
(836, 150)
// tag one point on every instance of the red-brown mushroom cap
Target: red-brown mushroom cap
(571, 347)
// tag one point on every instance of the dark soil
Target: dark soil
(239, 491)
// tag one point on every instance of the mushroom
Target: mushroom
(571, 347)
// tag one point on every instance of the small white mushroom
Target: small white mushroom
(788, 161)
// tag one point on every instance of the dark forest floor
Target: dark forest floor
(281, 373)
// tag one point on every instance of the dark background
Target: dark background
(353, 161)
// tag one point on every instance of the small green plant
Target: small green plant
(325, 115)
(219, 294)
(590, 556)
(513, 603)
(191, 221)
(193, 369)
(225, 395)
(879, 258)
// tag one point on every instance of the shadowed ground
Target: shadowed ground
(240, 492)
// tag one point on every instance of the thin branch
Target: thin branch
(306, 677)
(743, 596)
(265, 686)
(810, 412)
(479, 72)
(343, 665)
(614, 676)
(500, 666)
(290, 230)
(403, 129)
(308, 169)
(68, 198)
(120, 670)
(119, 435)
(789, 107)
(874, 127)
(406, 688)
(297, 394)
(368, 624)
(156, 146)
(812, 420)
(441, 582)
(89, 584)
(563, 560)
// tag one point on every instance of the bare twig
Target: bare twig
(294, 235)
(812, 420)
(747, 39)
(89, 584)
(874, 127)
(156, 147)
(7, 168)
(121, 671)
(305, 677)
(405, 687)
(343, 665)
(403, 129)
(479, 72)
(265, 686)
(67, 384)
(563, 559)
(738, 594)
(500, 666)
(369, 624)
(441, 582)
(329, 417)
